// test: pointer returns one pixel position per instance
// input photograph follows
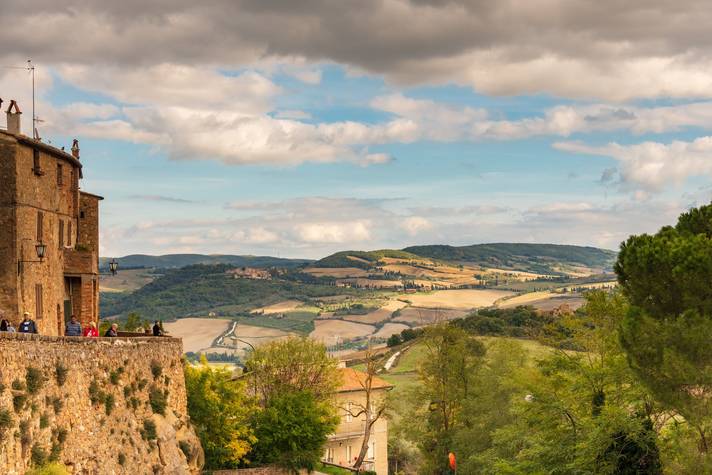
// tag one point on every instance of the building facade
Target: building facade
(344, 445)
(41, 206)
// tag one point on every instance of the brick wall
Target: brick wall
(8, 267)
(97, 442)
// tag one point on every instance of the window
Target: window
(69, 234)
(348, 453)
(371, 450)
(61, 233)
(81, 214)
(349, 417)
(40, 225)
(330, 454)
(36, 166)
(38, 301)
(60, 175)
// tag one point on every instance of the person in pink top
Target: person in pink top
(91, 331)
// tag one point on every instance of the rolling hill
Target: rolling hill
(170, 261)
(544, 258)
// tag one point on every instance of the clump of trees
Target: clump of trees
(280, 411)
(630, 395)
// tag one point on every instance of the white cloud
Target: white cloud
(652, 166)
(334, 232)
(414, 225)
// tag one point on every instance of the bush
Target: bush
(115, 376)
(44, 420)
(57, 404)
(18, 402)
(109, 403)
(25, 436)
(96, 395)
(185, 447)
(50, 469)
(158, 400)
(38, 455)
(5, 421)
(149, 430)
(156, 369)
(34, 379)
(60, 374)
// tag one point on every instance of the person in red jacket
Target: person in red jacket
(91, 331)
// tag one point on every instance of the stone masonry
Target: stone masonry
(40, 202)
(95, 403)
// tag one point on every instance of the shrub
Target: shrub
(109, 403)
(34, 379)
(134, 403)
(2, 388)
(5, 421)
(156, 369)
(60, 374)
(57, 404)
(158, 400)
(25, 436)
(60, 435)
(149, 430)
(122, 459)
(44, 420)
(38, 455)
(185, 447)
(18, 385)
(96, 395)
(49, 469)
(127, 392)
(142, 384)
(18, 402)
(115, 376)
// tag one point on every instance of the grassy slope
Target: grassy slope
(341, 259)
(531, 257)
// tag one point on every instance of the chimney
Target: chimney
(75, 149)
(13, 118)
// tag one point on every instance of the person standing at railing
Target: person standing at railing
(90, 331)
(73, 327)
(27, 325)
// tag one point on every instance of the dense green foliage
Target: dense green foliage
(171, 261)
(571, 412)
(529, 257)
(668, 329)
(220, 410)
(195, 290)
(292, 429)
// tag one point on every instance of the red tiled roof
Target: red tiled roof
(354, 380)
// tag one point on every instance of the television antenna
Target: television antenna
(30, 67)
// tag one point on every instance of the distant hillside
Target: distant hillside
(170, 261)
(360, 259)
(199, 289)
(529, 257)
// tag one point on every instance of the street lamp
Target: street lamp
(40, 250)
(113, 265)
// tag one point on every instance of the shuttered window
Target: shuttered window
(69, 234)
(40, 225)
(60, 175)
(61, 233)
(38, 301)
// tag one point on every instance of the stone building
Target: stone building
(344, 445)
(43, 209)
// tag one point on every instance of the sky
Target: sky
(300, 128)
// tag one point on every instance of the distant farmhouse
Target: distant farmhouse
(250, 273)
(49, 232)
(344, 445)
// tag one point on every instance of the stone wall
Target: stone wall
(95, 404)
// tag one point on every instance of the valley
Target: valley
(348, 300)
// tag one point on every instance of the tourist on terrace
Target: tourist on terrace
(27, 325)
(5, 324)
(90, 331)
(157, 329)
(73, 327)
(113, 331)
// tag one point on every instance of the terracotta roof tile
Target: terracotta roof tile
(354, 380)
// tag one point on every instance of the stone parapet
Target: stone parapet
(97, 403)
